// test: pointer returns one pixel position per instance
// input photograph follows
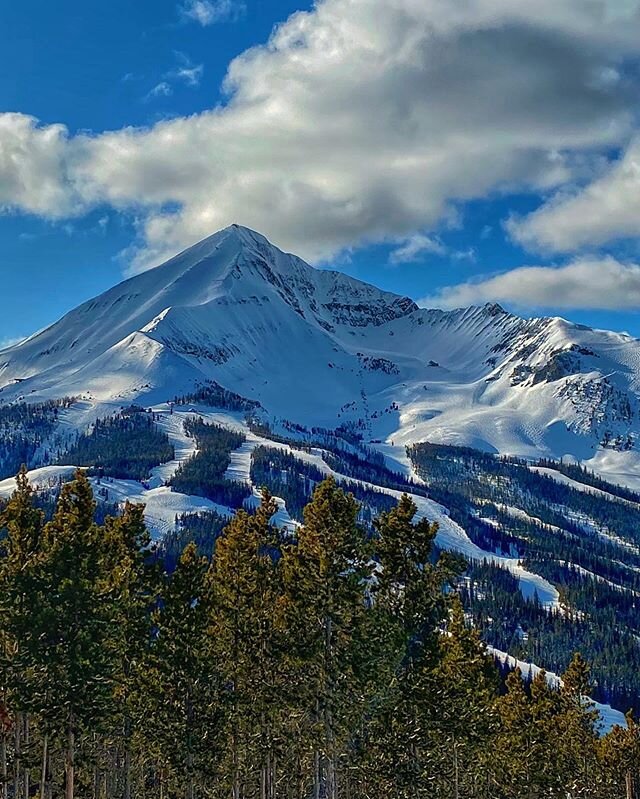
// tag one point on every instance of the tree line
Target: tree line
(337, 664)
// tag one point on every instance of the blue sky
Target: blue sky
(453, 153)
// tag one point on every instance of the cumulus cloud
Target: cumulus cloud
(603, 284)
(208, 12)
(360, 122)
(34, 164)
(607, 209)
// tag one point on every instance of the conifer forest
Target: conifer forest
(336, 663)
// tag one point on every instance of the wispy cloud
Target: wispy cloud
(190, 75)
(415, 247)
(208, 12)
(162, 89)
(187, 72)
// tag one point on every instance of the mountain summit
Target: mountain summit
(317, 347)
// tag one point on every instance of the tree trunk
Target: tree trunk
(126, 791)
(17, 765)
(316, 762)
(44, 773)
(3, 766)
(26, 775)
(330, 776)
(264, 769)
(631, 794)
(70, 762)
(236, 764)
(456, 778)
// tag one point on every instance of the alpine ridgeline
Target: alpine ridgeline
(320, 348)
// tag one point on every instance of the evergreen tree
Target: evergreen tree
(134, 584)
(247, 641)
(181, 684)
(23, 526)
(409, 605)
(521, 758)
(72, 628)
(326, 575)
(619, 753)
(324, 664)
(576, 727)
(462, 719)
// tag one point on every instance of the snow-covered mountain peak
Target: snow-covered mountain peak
(318, 347)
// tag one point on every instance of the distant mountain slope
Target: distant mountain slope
(320, 348)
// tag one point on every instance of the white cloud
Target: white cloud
(605, 284)
(413, 248)
(607, 209)
(162, 89)
(357, 121)
(469, 255)
(34, 163)
(208, 12)
(191, 75)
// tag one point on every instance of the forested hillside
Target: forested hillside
(24, 429)
(127, 446)
(584, 542)
(337, 663)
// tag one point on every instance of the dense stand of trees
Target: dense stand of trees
(203, 474)
(124, 446)
(370, 465)
(583, 543)
(24, 430)
(334, 665)
(216, 396)
(530, 632)
(202, 529)
(293, 480)
(583, 475)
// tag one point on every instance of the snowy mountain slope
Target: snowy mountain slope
(317, 349)
(320, 348)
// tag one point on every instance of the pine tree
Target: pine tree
(619, 753)
(326, 576)
(463, 719)
(247, 640)
(180, 686)
(73, 625)
(521, 757)
(576, 725)
(134, 584)
(408, 607)
(23, 526)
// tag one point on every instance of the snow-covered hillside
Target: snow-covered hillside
(319, 348)
(311, 351)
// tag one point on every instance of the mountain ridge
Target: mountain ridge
(230, 308)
